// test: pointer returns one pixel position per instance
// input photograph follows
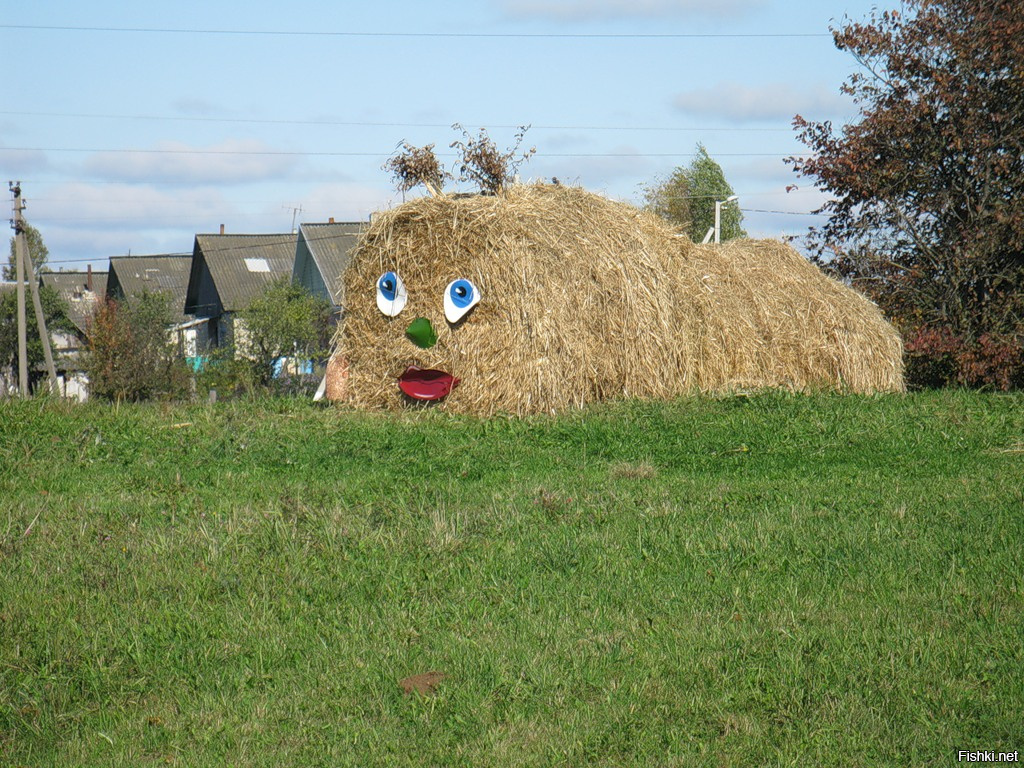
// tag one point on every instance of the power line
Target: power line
(163, 222)
(428, 35)
(282, 153)
(361, 124)
(785, 213)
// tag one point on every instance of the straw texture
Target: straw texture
(585, 299)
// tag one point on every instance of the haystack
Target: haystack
(584, 299)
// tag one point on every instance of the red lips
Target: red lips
(426, 384)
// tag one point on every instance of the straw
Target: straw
(585, 299)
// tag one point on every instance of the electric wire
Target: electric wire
(425, 35)
(364, 124)
(285, 153)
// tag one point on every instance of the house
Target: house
(81, 292)
(321, 255)
(134, 276)
(227, 273)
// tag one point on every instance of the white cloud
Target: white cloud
(229, 162)
(103, 205)
(83, 222)
(22, 162)
(589, 10)
(90, 222)
(776, 101)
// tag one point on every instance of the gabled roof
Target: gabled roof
(239, 266)
(132, 276)
(73, 288)
(327, 248)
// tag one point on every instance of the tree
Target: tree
(285, 320)
(37, 251)
(687, 199)
(708, 186)
(670, 199)
(131, 354)
(55, 314)
(926, 213)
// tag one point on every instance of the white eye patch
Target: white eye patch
(391, 294)
(459, 297)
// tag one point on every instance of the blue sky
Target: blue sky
(238, 113)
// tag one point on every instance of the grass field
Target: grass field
(769, 580)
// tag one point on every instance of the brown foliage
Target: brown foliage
(417, 165)
(483, 164)
(130, 355)
(936, 357)
(928, 187)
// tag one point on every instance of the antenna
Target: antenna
(296, 210)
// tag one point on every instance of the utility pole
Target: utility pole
(24, 268)
(19, 275)
(718, 216)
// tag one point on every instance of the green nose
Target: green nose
(421, 333)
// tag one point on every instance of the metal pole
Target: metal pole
(718, 222)
(19, 272)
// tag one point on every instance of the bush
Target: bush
(131, 355)
(285, 321)
(936, 357)
(993, 362)
(230, 376)
(236, 376)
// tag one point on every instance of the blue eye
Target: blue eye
(391, 294)
(459, 297)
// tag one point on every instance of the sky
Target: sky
(134, 126)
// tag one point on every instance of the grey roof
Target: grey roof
(330, 247)
(132, 276)
(73, 287)
(239, 267)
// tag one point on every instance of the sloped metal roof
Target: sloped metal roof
(240, 266)
(132, 276)
(73, 287)
(330, 246)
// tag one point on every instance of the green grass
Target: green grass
(771, 580)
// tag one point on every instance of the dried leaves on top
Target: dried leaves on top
(417, 165)
(585, 299)
(484, 164)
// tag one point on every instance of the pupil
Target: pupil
(388, 285)
(460, 291)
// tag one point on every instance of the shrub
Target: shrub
(993, 362)
(285, 321)
(936, 357)
(131, 355)
(229, 375)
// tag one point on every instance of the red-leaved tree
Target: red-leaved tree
(927, 186)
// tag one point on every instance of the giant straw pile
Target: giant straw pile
(585, 299)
